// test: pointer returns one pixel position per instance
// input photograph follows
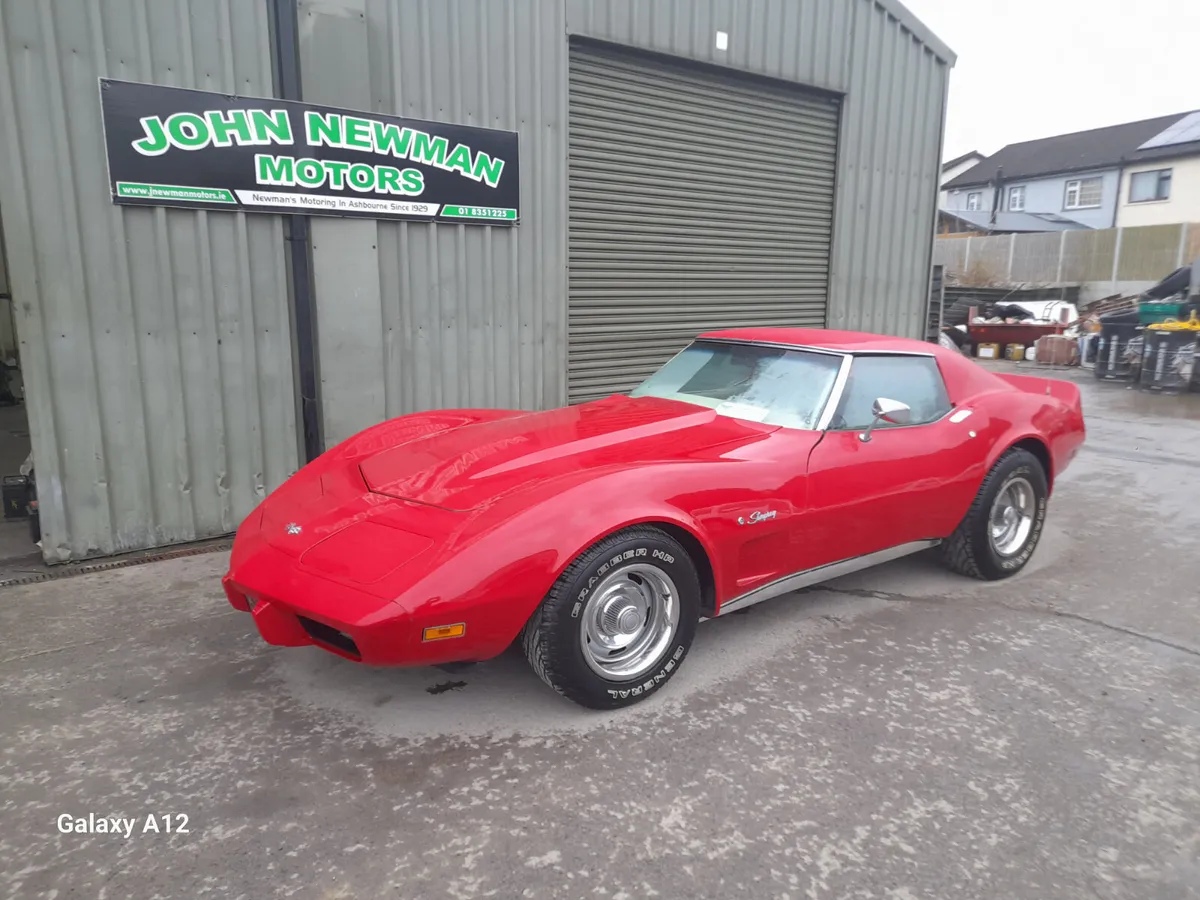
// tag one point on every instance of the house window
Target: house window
(1147, 186)
(973, 199)
(1016, 199)
(1084, 193)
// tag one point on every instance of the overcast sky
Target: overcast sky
(1035, 68)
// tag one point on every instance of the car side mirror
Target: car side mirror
(891, 411)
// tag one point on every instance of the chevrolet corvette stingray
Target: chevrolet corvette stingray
(753, 463)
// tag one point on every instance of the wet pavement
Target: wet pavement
(902, 733)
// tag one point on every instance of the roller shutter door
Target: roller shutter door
(697, 201)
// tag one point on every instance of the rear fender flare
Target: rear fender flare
(1034, 443)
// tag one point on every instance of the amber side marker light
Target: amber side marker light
(441, 632)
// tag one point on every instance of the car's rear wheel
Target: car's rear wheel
(1001, 530)
(618, 622)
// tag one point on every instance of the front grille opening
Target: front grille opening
(319, 631)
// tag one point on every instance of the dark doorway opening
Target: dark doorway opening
(18, 552)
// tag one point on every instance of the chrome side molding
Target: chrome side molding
(809, 577)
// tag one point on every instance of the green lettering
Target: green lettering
(155, 142)
(362, 177)
(414, 181)
(358, 133)
(431, 151)
(389, 180)
(337, 173)
(487, 168)
(460, 159)
(309, 172)
(275, 169)
(392, 139)
(322, 129)
(271, 126)
(188, 131)
(231, 130)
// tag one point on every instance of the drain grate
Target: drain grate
(54, 573)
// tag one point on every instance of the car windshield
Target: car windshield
(771, 385)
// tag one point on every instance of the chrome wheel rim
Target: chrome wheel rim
(1011, 521)
(628, 621)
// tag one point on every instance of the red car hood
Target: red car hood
(468, 467)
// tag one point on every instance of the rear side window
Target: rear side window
(915, 380)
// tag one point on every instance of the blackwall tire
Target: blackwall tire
(1001, 530)
(619, 622)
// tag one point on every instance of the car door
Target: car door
(902, 483)
(758, 530)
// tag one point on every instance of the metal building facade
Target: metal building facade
(159, 366)
(154, 343)
(894, 75)
(415, 316)
(696, 202)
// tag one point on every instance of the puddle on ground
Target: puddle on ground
(1119, 396)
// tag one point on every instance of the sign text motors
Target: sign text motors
(194, 149)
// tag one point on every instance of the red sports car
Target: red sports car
(753, 463)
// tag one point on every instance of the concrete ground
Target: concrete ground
(903, 733)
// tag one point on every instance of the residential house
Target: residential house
(955, 167)
(1075, 178)
(1162, 179)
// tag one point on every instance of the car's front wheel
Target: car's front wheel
(618, 622)
(1002, 528)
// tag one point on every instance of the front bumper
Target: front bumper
(294, 607)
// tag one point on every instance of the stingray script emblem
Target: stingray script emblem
(756, 517)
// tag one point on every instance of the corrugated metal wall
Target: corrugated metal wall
(696, 201)
(155, 342)
(3, 265)
(895, 75)
(415, 316)
(888, 176)
(8, 332)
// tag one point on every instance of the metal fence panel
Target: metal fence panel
(1035, 257)
(989, 259)
(1088, 255)
(1149, 252)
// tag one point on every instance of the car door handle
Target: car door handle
(961, 415)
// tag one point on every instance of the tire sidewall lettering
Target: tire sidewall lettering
(606, 566)
(556, 639)
(651, 681)
(1018, 562)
